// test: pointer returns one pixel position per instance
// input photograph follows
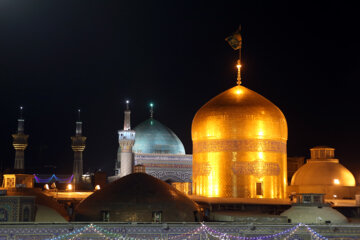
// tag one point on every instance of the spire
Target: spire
(21, 121)
(127, 112)
(79, 111)
(78, 130)
(151, 110)
(21, 112)
(235, 41)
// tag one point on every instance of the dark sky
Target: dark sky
(57, 56)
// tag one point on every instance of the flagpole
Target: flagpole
(238, 82)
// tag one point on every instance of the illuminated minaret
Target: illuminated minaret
(125, 160)
(20, 143)
(78, 146)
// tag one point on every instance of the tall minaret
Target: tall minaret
(125, 161)
(78, 146)
(20, 143)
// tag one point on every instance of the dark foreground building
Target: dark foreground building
(138, 197)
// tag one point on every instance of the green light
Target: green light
(151, 104)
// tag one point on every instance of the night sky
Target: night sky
(58, 56)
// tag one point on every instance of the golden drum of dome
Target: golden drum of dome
(239, 147)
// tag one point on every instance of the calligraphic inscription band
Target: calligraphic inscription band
(241, 145)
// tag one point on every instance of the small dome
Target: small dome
(47, 214)
(323, 172)
(314, 215)
(136, 198)
(56, 211)
(154, 137)
(323, 169)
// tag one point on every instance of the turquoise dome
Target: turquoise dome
(153, 137)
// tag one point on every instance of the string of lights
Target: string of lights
(117, 236)
(47, 180)
(189, 234)
(69, 234)
(314, 234)
(90, 228)
(222, 235)
(107, 235)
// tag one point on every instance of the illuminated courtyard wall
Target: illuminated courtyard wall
(170, 231)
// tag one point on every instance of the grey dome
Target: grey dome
(135, 198)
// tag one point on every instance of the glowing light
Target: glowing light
(151, 104)
(46, 186)
(239, 91)
(335, 196)
(336, 181)
(127, 101)
(69, 187)
(232, 123)
(238, 66)
(48, 180)
(97, 187)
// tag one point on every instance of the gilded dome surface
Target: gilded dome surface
(239, 112)
(323, 169)
(154, 137)
(136, 198)
(239, 146)
(321, 172)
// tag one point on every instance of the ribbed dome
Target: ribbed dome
(154, 137)
(135, 198)
(323, 172)
(239, 142)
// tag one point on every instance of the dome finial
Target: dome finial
(235, 41)
(79, 111)
(21, 112)
(151, 110)
(78, 123)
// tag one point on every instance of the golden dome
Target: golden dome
(323, 173)
(239, 146)
(323, 169)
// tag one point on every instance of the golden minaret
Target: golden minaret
(20, 143)
(239, 144)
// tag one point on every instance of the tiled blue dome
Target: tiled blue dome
(153, 137)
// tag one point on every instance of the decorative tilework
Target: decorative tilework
(242, 145)
(256, 168)
(173, 167)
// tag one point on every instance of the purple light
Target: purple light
(47, 180)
